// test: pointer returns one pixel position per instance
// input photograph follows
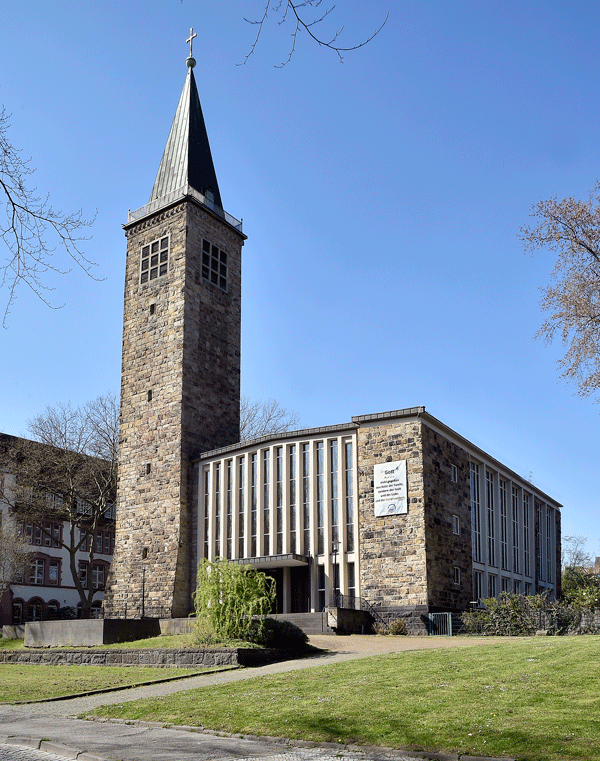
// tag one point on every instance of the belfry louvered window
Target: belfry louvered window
(154, 259)
(214, 265)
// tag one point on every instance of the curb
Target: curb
(374, 750)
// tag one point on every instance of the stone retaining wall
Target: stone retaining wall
(167, 658)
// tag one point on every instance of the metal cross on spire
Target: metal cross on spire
(190, 39)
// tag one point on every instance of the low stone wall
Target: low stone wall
(89, 632)
(168, 658)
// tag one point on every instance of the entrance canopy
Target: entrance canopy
(265, 562)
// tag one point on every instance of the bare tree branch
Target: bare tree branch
(262, 418)
(68, 475)
(26, 226)
(571, 228)
(303, 24)
(13, 554)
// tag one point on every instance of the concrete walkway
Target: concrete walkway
(138, 741)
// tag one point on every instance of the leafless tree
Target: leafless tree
(305, 16)
(31, 229)
(68, 475)
(262, 418)
(13, 553)
(571, 228)
(574, 554)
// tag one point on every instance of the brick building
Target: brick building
(395, 507)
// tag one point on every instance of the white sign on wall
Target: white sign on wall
(390, 488)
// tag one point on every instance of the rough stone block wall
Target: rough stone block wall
(392, 548)
(443, 499)
(181, 345)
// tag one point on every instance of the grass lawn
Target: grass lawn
(20, 682)
(536, 699)
(158, 643)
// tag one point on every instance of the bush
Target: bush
(231, 600)
(282, 635)
(398, 627)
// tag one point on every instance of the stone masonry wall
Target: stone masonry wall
(443, 499)
(179, 395)
(392, 548)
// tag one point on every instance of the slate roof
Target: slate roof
(187, 159)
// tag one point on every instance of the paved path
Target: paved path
(145, 742)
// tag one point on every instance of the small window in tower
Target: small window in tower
(152, 308)
(150, 395)
(456, 570)
(144, 553)
(148, 468)
(154, 262)
(214, 265)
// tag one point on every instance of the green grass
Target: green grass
(154, 643)
(535, 699)
(20, 682)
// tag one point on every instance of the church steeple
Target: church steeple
(187, 159)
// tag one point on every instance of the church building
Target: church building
(392, 510)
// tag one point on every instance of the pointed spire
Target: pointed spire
(187, 159)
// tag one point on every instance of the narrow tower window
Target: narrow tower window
(150, 395)
(214, 265)
(154, 261)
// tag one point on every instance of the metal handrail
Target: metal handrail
(175, 195)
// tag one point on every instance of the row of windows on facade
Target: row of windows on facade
(506, 584)
(154, 262)
(510, 509)
(47, 572)
(300, 476)
(38, 610)
(51, 535)
(54, 502)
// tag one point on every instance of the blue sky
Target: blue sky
(382, 200)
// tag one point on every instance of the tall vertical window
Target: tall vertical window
(526, 535)
(333, 490)
(206, 511)
(503, 524)
(351, 581)
(515, 527)
(229, 506)
(477, 585)
(320, 500)
(279, 498)
(549, 535)
(489, 502)
(36, 575)
(253, 500)
(154, 259)
(539, 525)
(214, 265)
(241, 492)
(491, 585)
(349, 483)
(306, 497)
(292, 475)
(321, 584)
(266, 501)
(475, 512)
(218, 510)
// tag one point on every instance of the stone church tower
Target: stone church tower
(180, 386)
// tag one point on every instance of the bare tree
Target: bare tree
(305, 22)
(571, 228)
(262, 418)
(13, 553)
(574, 554)
(32, 229)
(68, 475)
